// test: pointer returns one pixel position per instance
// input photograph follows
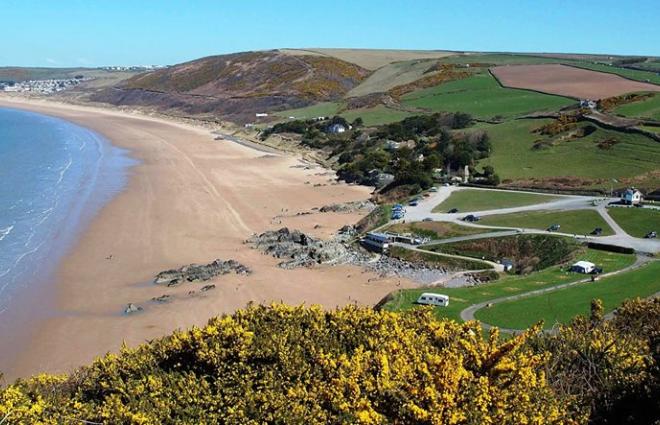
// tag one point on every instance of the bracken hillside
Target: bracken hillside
(239, 85)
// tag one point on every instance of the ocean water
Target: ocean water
(54, 176)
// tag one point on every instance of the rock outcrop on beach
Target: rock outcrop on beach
(349, 207)
(299, 249)
(197, 272)
(132, 308)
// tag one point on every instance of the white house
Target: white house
(336, 129)
(507, 264)
(631, 196)
(429, 298)
(583, 267)
(588, 103)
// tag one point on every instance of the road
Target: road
(424, 210)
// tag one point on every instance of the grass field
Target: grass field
(561, 306)
(580, 222)
(632, 74)
(514, 159)
(636, 222)
(483, 97)
(377, 115)
(448, 262)
(323, 109)
(652, 129)
(481, 200)
(646, 109)
(501, 59)
(436, 229)
(461, 298)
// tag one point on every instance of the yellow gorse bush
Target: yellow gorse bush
(299, 365)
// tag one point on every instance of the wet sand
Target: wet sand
(191, 199)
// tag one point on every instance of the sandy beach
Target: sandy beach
(191, 199)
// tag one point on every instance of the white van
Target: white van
(429, 298)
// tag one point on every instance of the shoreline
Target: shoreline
(99, 172)
(191, 199)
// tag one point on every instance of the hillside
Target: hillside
(239, 85)
(509, 96)
(283, 364)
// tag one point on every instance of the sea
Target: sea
(54, 176)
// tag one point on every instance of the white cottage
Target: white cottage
(631, 196)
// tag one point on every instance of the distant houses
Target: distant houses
(588, 103)
(631, 196)
(336, 128)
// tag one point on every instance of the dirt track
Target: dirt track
(568, 81)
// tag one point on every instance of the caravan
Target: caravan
(429, 298)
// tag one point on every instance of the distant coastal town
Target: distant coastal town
(54, 85)
(41, 86)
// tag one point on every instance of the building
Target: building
(631, 196)
(336, 129)
(507, 264)
(376, 241)
(583, 267)
(429, 298)
(588, 103)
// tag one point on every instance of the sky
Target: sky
(59, 33)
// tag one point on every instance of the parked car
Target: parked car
(433, 189)
(471, 218)
(427, 219)
(651, 235)
(413, 203)
(553, 228)
(453, 211)
(597, 231)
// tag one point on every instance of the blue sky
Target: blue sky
(122, 32)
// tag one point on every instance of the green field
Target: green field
(632, 74)
(561, 306)
(636, 222)
(579, 222)
(461, 298)
(483, 97)
(430, 258)
(377, 115)
(502, 59)
(323, 109)
(514, 158)
(648, 109)
(436, 229)
(481, 200)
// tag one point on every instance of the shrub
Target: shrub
(284, 364)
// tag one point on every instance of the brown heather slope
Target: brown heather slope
(237, 86)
